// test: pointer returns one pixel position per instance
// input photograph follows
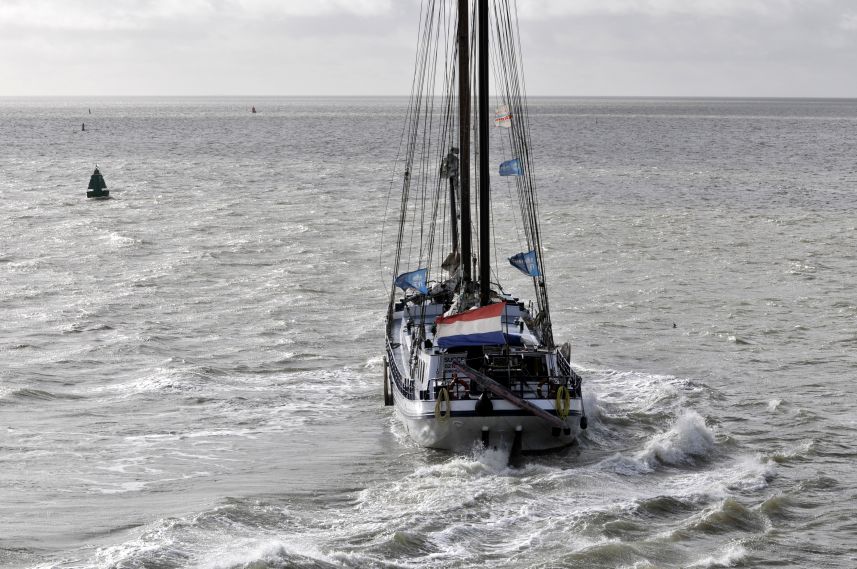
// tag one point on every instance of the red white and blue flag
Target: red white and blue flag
(478, 327)
(502, 117)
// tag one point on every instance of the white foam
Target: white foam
(626, 466)
(167, 380)
(26, 265)
(621, 393)
(750, 474)
(591, 405)
(802, 449)
(155, 539)
(730, 557)
(480, 463)
(688, 439)
(494, 460)
(118, 240)
(123, 487)
(252, 552)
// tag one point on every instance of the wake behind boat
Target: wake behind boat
(466, 362)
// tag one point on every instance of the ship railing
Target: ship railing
(405, 388)
(565, 369)
(530, 387)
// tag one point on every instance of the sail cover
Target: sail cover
(479, 327)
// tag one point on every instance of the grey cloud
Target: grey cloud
(585, 47)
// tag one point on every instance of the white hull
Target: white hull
(462, 434)
(458, 428)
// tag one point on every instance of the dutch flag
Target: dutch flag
(479, 327)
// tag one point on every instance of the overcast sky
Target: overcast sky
(782, 48)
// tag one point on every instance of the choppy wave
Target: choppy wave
(732, 556)
(687, 443)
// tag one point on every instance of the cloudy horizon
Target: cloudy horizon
(691, 48)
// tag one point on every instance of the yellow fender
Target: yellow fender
(440, 413)
(563, 402)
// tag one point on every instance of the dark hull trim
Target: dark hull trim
(504, 413)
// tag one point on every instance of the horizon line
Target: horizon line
(378, 96)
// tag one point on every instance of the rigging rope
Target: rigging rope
(430, 133)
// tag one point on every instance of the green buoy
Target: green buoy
(97, 186)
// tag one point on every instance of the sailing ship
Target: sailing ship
(468, 364)
(97, 186)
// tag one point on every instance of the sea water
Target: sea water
(191, 370)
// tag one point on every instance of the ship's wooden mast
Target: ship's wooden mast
(464, 137)
(484, 167)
